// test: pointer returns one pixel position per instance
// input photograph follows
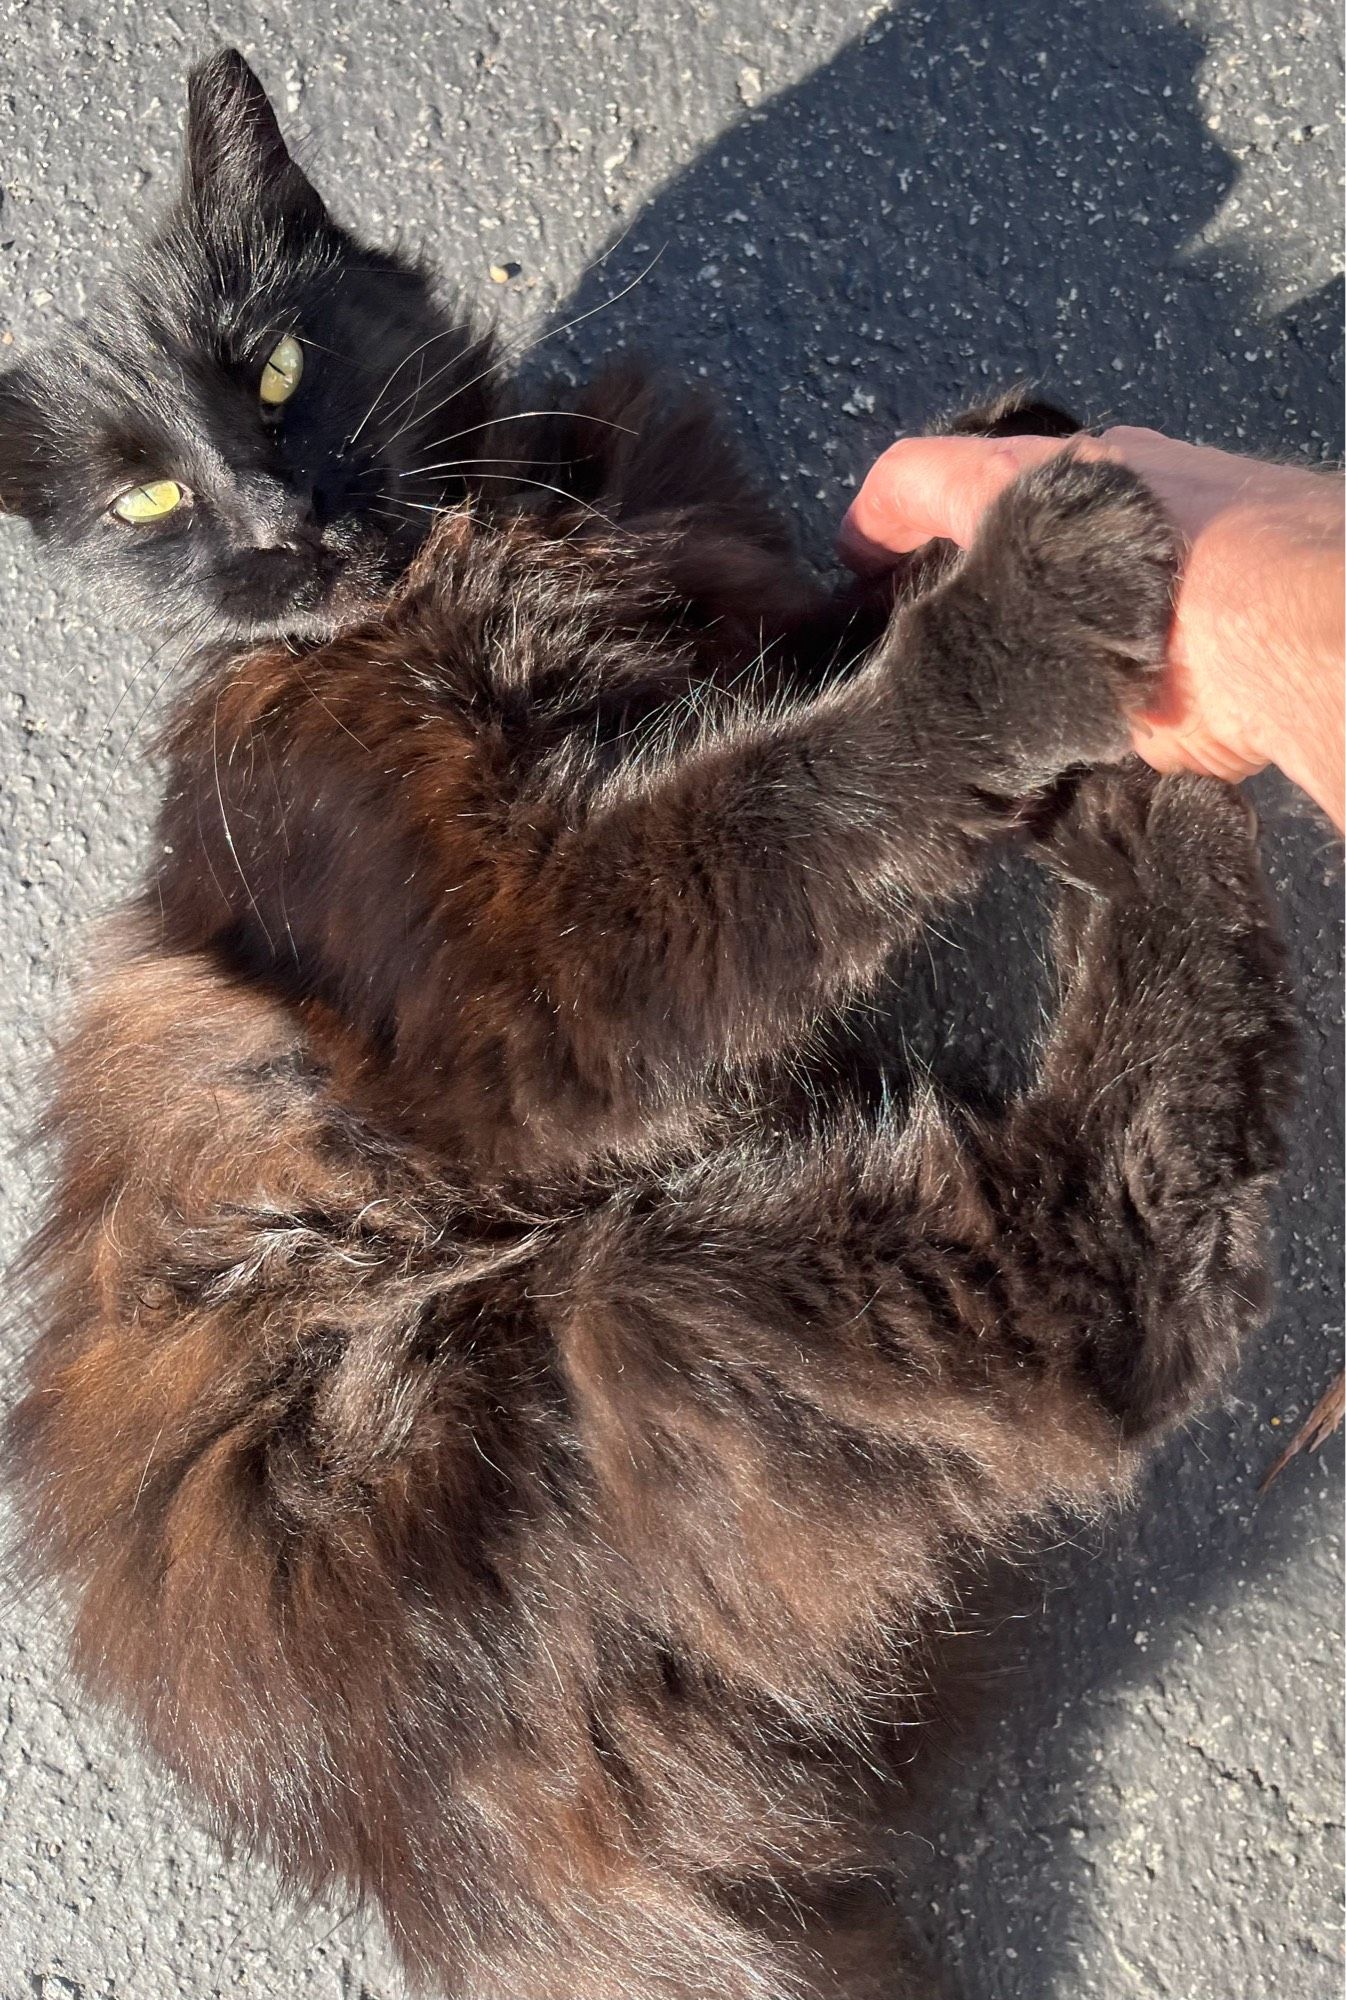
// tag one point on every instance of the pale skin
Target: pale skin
(1255, 661)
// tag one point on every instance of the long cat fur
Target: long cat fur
(511, 1399)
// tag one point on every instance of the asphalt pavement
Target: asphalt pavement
(845, 219)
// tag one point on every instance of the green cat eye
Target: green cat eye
(280, 376)
(149, 503)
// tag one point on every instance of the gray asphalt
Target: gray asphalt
(861, 217)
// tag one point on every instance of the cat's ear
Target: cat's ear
(237, 161)
(24, 448)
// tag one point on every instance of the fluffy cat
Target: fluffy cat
(291, 498)
(519, 1370)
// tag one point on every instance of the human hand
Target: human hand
(1256, 647)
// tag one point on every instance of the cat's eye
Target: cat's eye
(150, 502)
(280, 376)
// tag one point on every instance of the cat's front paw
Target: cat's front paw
(1097, 542)
(1088, 559)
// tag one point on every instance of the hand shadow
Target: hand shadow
(952, 203)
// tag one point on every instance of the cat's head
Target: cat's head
(234, 445)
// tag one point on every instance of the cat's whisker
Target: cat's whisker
(68, 673)
(517, 479)
(228, 830)
(450, 465)
(188, 638)
(425, 382)
(519, 350)
(516, 351)
(320, 347)
(442, 333)
(513, 417)
(505, 354)
(385, 514)
(468, 431)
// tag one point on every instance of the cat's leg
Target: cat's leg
(712, 899)
(1138, 1162)
(1016, 412)
(811, 1383)
(847, 1361)
(856, 615)
(563, 898)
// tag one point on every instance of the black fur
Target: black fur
(297, 522)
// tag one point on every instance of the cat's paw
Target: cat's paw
(1165, 930)
(1085, 558)
(1201, 845)
(1096, 541)
(1128, 834)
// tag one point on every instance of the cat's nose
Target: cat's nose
(297, 534)
(299, 539)
(277, 519)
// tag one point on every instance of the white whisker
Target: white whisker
(228, 830)
(514, 417)
(443, 333)
(517, 350)
(515, 479)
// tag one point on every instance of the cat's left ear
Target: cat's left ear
(237, 161)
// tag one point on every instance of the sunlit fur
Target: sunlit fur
(300, 514)
(520, 1370)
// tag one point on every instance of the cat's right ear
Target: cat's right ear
(24, 457)
(237, 161)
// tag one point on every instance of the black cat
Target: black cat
(507, 1414)
(207, 468)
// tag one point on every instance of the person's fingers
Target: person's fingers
(1166, 748)
(928, 489)
(1176, 732)
(1162, 749)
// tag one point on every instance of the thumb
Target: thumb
(932, 488)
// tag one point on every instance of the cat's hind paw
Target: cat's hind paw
(1183, 842)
